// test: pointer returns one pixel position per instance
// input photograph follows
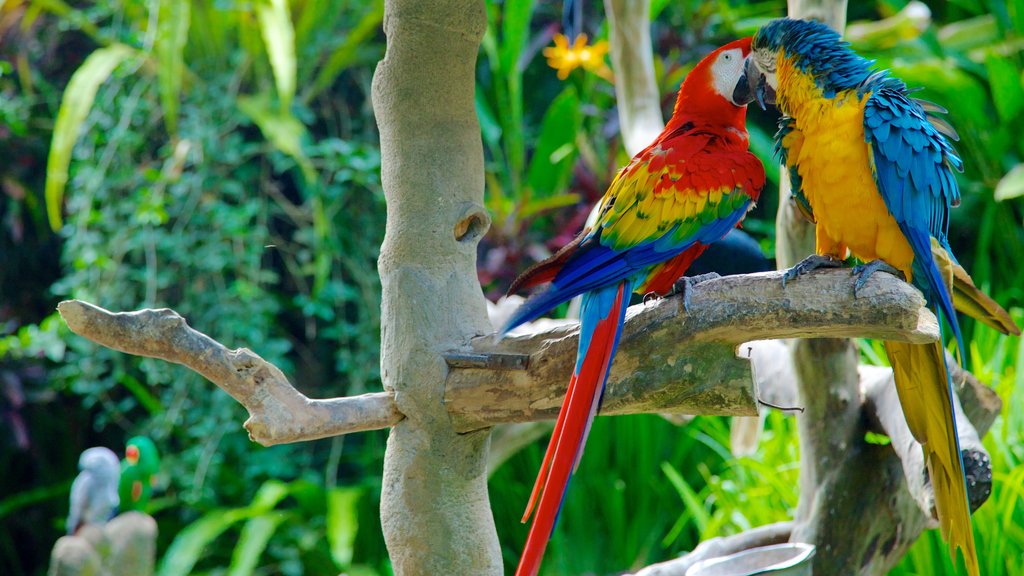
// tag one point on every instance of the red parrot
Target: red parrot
(692, 185)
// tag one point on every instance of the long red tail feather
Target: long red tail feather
(570, 433)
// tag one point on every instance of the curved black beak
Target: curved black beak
(743, 93)
(753, 86)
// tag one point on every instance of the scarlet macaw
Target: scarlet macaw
(874, 170)
(686, 190)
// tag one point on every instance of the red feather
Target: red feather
(567, 440)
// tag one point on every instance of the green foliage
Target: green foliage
(219, 158)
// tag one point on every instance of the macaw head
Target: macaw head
(716, 89)
(807, 48)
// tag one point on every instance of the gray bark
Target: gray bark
(435, 512)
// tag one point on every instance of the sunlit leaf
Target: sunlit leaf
(279, 38)
(1004, 81)
(551, 165)
(252, 542)
(541, 205)
(342, 523)
(1011, 185)
(281, 128)
(74, 108)
(515, 28)
(189, 544)
(970, 33)
(269, 495)
(172, 34)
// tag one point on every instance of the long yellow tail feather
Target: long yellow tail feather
(922, 382)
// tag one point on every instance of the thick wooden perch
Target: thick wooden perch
(669, 360)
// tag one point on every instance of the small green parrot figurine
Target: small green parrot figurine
(138, 473)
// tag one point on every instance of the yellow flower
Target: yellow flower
(565, 58)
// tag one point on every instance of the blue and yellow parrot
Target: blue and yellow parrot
(692, 185)
(873, 168)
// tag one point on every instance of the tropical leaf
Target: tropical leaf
(342, 523)
(345, 54)
(74, 108)
(1011, 185)
(1005, 83)
(515, 28)
(279, 38)
(171, 37)
(253, 541)
(281, 128)
(188, 545)
(551, 165)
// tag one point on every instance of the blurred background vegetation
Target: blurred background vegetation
(220, 157)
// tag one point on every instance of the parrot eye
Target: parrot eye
(727, 56)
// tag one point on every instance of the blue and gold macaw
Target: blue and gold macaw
(873, 168)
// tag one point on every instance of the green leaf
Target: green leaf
(171, 37)
(877, 439)
(1011, 185)
(970, 33)
(280, 128)
(188, 545)
(279, 38)
(74, 108)
(345, 54)
(268, 496)
(1004, 81)
(551, 165)
(342, 523)
(540, 205)
(515, 28)
(253, 541)
(692, 504)
(33, 496)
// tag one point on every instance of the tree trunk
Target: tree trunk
(435, 512)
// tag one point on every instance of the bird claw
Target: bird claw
(650, 296)
(864, 271)
(811, 263)
(685, 285)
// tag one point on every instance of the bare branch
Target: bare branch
(278, 413)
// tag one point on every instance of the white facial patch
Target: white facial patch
(726, 72)
(766, 63)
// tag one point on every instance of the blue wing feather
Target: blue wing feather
(912, 163)
(595, 265)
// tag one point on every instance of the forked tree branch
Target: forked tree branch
(278, 413)
(669, 360)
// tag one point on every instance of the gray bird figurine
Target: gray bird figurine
(94, 492)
